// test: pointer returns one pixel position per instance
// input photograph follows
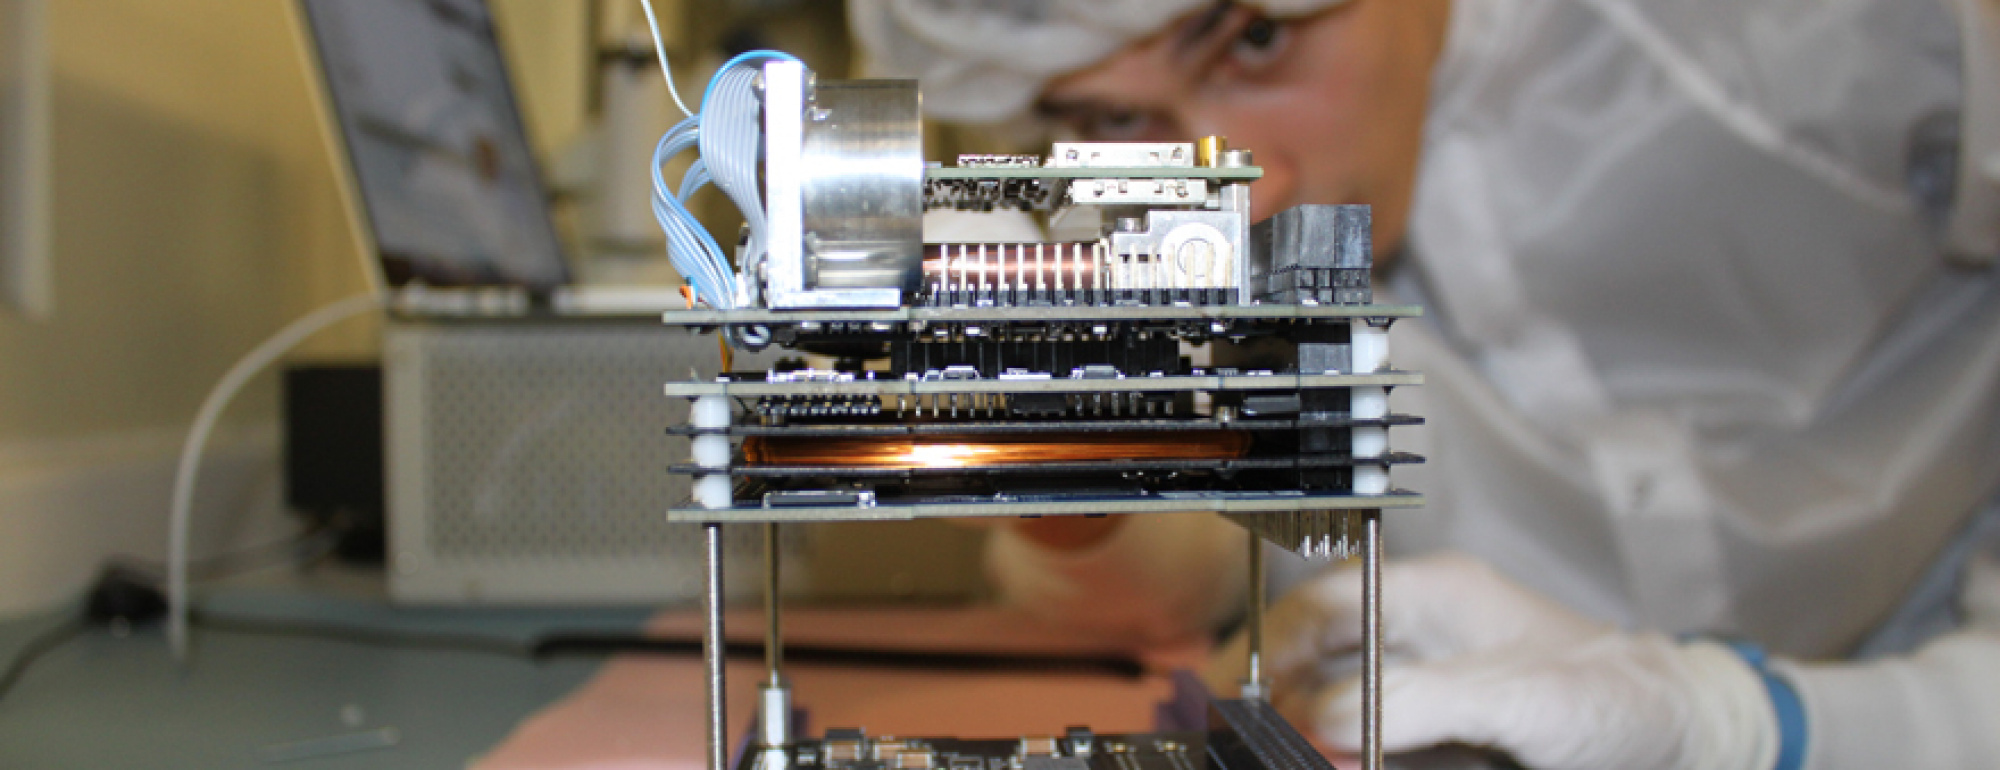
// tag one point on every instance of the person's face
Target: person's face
(1332, 105)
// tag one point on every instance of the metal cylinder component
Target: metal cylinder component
(1208, 151)
(862, 185)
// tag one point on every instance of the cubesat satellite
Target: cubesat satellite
(1180, 359)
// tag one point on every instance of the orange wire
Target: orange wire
(728, 355)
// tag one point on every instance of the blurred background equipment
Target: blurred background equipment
(212, 101)
(333, 454)
(522, 434)
(26, 275)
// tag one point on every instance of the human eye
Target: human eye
(1260, 41)
(1107, 122)
(1116, 124)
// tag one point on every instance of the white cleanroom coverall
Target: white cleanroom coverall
(1714, 349)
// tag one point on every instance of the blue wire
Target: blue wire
(741, 58)
(704, 264)
(696, 178)
(691, 248)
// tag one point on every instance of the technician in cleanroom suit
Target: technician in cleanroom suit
(1713, 352)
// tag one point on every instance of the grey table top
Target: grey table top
(284, 702)
(252, 700)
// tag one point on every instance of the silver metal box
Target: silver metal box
(527, 464)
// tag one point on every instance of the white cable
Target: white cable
(180, 516)
(660, 48)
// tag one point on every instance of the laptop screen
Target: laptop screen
(440, 159)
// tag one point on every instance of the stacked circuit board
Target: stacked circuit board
(1173, 359)
(1185, 361)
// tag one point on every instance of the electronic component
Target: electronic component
(1164, 751)
(1182, 360)
(1234, 735)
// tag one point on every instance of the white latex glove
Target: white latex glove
(1474, 658)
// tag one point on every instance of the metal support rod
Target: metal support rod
(1253, 684)
(712, 649)
(774, 646)
(774, 700)
(1371, 643)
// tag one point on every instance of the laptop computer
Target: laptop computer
(439, 181)
(524, 440)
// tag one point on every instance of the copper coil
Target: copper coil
(959, 451)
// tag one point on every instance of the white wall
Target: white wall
(194, 214)
(24, 129)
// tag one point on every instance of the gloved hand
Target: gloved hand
(1474, 658)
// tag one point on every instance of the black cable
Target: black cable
(43, 644)
(355, 634)
(597, 645)
(556, 645)
(305, 548)
(127, 597)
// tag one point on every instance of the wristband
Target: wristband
(1785, 701)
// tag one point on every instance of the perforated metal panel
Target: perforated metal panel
(528, 463)
(540, 446)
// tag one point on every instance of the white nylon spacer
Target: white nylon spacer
(774, 717)
(1368, 346)
(710, 412)
(1369, 403)
(1370, 443)
(711, 451)
(714, 491)
(1371, 479)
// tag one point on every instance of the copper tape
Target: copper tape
(947, 451)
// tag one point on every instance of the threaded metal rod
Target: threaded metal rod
(1371, 643)
(712, 650)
